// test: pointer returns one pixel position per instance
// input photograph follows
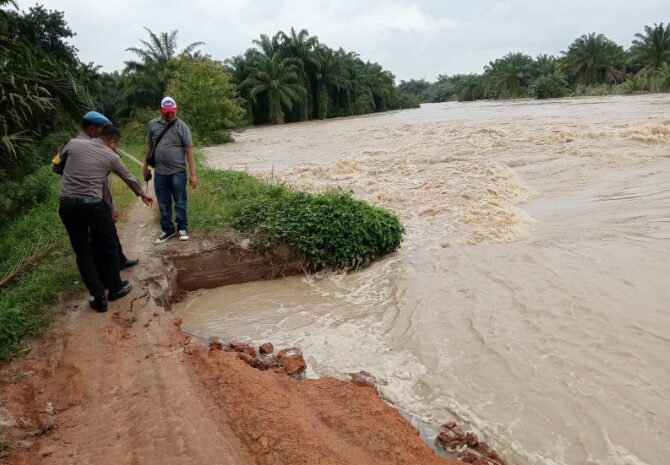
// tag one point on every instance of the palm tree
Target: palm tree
(148, 77)
(363, 80)
(159, 50)
(241, 68)
(298, 44)
(552, 85)
(330, 76)
(301, 46)
(652, 48)
(268, 46)
(545, 64)
(663, 75)
(278, 79)
(593, 58)
(469, 87)
(510, 75)
(39, 85)
(382, 85)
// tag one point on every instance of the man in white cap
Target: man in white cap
(169, 151)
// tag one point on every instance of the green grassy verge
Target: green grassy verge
(123, 196)
(24, 303)
(332, 229)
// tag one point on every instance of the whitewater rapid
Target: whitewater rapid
(531, 297)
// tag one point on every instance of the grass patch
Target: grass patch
(123, 196)
(24, 303)
(332, 229)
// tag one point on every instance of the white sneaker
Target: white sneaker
(183, 235)
(164, 237)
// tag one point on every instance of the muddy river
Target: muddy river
(531, 297)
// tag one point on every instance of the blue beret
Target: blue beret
(96, 118)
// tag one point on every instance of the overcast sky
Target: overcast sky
(413, 39)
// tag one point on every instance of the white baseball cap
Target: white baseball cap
(168, 105)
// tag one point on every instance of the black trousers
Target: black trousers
(99, 259)
(95, 243)
(122, 257)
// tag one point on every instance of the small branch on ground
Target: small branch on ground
(40, 253)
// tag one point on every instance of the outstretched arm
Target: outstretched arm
(120, 169)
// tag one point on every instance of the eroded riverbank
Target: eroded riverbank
(128, 387)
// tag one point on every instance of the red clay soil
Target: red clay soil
(127, 387)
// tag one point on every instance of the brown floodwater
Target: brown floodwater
(531, 297)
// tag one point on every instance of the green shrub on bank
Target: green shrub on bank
(662, 75)
(596, 90)
(656, 82)
(634, 84)
(332, 229)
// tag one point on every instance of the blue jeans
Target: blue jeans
(171, 187)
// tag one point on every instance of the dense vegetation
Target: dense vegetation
(44, 88)
(22, 300)
(294, 77)
(592, 65)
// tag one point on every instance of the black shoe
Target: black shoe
(123, 291)
(165, 236)
(99, 304)
(128, 264)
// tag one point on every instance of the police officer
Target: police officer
(91, 126)
(88, 220)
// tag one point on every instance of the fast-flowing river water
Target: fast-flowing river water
(531, 297)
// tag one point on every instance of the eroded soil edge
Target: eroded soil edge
(128, 387)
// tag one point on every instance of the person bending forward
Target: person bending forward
(88, 220)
